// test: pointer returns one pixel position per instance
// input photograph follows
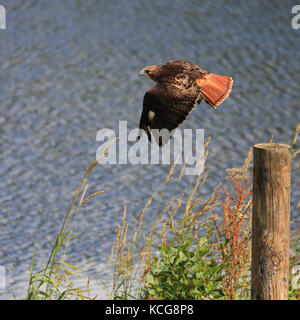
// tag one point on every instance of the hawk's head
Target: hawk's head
(152, 72)
(159, 73)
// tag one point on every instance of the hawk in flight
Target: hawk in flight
(180, 86)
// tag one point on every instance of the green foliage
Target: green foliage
(42, 286)
(185, 271)
(294, 276)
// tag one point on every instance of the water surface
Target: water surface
(70, 68)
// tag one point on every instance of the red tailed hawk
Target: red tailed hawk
(180, 86)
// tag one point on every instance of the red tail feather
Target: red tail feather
(215, 88)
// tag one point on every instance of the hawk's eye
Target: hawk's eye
(147, 71)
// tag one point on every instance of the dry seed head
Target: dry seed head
(171, 170)
(84, 202)
(182, 169)
(167, 207)
(295, 153)
(296, 134)
(240, 173)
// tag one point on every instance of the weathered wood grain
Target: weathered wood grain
(271, 222)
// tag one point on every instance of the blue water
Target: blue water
(70, 68)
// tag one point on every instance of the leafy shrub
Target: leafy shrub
(184, 271)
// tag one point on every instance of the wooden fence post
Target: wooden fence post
(271, 222)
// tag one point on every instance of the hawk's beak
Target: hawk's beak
(144, 73)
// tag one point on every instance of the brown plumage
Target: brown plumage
(180, 86)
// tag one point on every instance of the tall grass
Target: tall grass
(221, 223)
(226, 246)
(53, 282)
(198, 247)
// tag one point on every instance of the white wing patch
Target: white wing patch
(151, 115)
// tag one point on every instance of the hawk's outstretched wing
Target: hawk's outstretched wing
(166, 107)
